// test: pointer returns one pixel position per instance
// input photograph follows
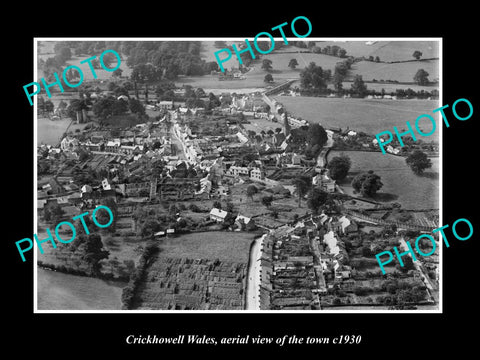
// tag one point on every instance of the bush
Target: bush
(251, 226)
(127, 296)
(361, 291)
(182, 207)
(194, 208)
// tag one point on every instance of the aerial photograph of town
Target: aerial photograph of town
(259, 188)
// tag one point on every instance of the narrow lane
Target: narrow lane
(253, 276)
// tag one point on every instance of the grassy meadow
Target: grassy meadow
(367, 115)
(402, 72)
(400, 184)
(225, 246)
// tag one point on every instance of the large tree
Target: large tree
(421, 77)
(149, 227)
(358, 86)
(144, 74)
(417, 54)
(293, 63)
(316, 135)
(302, 185)
(251, 190)
(94, 252)
(135, 106)
(418, 162)
(338, 82)
(108, 106)
(267, 64)
(367, 183)
(339, 166)
(316, 198)
(76, 105)
(267, 200)
(268, 78)
(313, 78)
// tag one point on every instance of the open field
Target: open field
(403, 72)
(403, 50)
(400, 184)
(50, 131)
(225, 246)
(281, 59)
(210, 83)
(59, 291)
(258, 125)
(386, 50)
(367, 115)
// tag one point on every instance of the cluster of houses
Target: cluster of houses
(301, 262)
(240, 222)
(233, 74)
(390, 149)
(135, 151)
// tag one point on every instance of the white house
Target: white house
(106, 185)
(242, 138)
(324, 182)
(218, 215)
(205, 186)
(239, 170)
(392, 150)
(86, 189)
(330, 239)
(112, 146)
(256, 174)
(347, 225)
(245, 219)
(168, 105)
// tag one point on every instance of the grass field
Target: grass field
(370, 116)
(400, 184)
(210, 83)
(387, 50)
(280, 62)
(225, 246)
(50, 131)
(258, 125)
(403, 72)
(403, 50)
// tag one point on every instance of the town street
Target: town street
(253, 276)
(321, 159)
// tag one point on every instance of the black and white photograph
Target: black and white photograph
(262, 187)
(217, 180)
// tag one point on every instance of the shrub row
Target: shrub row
(129, 292)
